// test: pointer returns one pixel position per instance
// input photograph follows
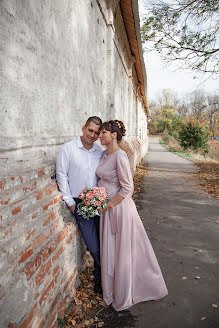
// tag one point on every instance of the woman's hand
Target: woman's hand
(106, 207)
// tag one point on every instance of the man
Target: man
(75, 170)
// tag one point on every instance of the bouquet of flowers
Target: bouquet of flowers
(92, 199)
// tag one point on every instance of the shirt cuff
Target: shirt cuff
(70, 202)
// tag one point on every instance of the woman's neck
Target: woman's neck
(112, 148)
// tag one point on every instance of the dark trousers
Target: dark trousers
(90, 233)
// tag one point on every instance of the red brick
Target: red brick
(75, 232)
(40, 172)
(43, 272)
(45, 222)
(51, 189)
(57, 199)
(11, 325)
(32, 266)
(26, 254)
(2, 184)
(42, 324)
(16, 210)
(54, 303)
(21, 178)
(39, 240)
(51, 321)
(55, 269)
(56, 277)
(57, 254)
(69, 239)
(39, 195)
(45, 207)
(25, 323)
(62, 234)
(36, 320)
(30, 233)
(46, 292)
(48, 250)
(53, 215)
(5, 202)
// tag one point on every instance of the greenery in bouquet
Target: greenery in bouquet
(92, 199)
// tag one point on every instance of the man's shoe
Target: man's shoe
(97, 287)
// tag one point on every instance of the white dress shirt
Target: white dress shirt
(76, 168)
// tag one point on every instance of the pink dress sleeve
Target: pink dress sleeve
(124, 175)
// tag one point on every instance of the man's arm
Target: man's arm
(62, 167)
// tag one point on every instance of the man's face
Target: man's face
(90, 133)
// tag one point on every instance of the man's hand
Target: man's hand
(72, 208)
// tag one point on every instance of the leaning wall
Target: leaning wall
(61, 62)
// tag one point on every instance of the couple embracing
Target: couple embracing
(125, 266)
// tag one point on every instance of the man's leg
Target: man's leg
(88, 230)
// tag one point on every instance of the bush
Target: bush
(193, 135)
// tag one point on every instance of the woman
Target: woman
(130, 272)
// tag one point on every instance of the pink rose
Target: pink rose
(89, 196)
(98, 203)
(87, 203)
(103, 197)
(102, 190)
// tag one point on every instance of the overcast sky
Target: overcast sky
(161, 77)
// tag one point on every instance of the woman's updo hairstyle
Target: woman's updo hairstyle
(114, 126)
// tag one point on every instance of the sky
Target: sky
(160, 76)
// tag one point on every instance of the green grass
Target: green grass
(179, 153)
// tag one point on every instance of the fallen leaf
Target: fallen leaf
(89, 305)
(203, 318)
(196, 268)
(171, 250)
(184, 278)
(100, 324)
(214, 306)
(73, 322)
(217, 221)
(197, 277)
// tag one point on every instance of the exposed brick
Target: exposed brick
(42, 324)
(57, 254)
(48, 250)
(51, 189)
(39, 240)
(62, 234)
(51, 321)
(43, 272)
(26, 254)
(30, 233)
(40, 172)
(55, 269)
(45, 222)
(54, 303)
(39, 195)
(46, 293)
(16, 210)
(21, 178)
(45, 207)
(2, 184)
(25, 323)
(69, 239)
(57, 199)
(11, 325)
(53, 215)
(32, 266)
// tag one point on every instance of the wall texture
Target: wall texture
(61, 61)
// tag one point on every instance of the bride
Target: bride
(130, 272)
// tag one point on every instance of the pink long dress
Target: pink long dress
(130, 272)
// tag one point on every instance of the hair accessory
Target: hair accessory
(119, 125)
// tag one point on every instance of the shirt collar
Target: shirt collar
(80, 145)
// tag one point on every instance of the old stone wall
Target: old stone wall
(61, 62)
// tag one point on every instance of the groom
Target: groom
(75, 170)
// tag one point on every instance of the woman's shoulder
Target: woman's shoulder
(121, 154)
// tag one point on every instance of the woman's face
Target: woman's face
(106, 137)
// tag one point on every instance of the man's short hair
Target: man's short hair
(95, 119)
